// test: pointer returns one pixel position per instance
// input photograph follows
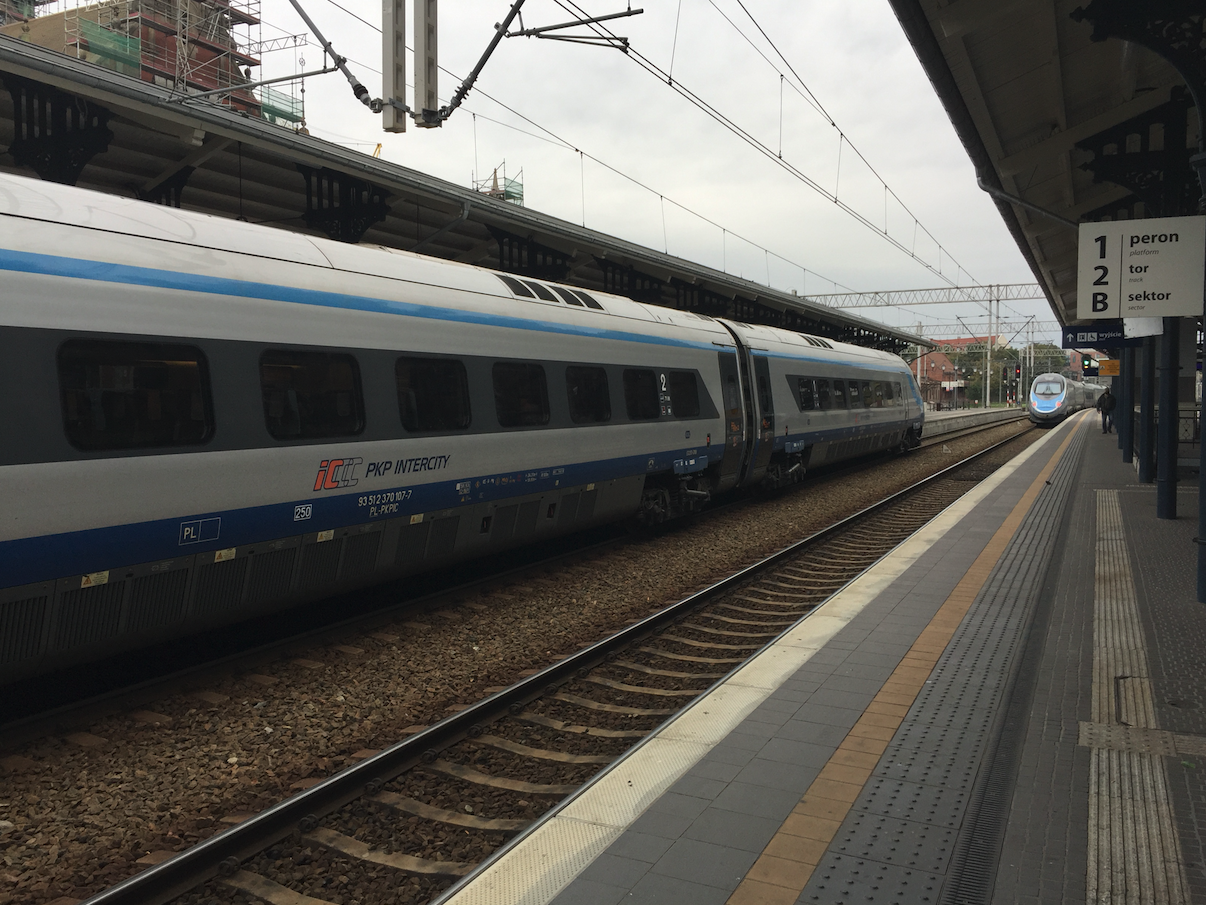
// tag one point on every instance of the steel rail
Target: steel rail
(222, 854)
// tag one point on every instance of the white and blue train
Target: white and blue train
(1054, 397)
(208, 420)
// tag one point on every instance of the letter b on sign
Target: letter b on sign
(1100, 301)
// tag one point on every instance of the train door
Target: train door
(734, 435)
(764, 433)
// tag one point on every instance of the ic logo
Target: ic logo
(336, 473)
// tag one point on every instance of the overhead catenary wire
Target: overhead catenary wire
(554, 138)
(655, 70)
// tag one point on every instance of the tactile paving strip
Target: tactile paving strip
(846, 880)
(930, 791)
(911, 801)
(889, 840)
(945, 769)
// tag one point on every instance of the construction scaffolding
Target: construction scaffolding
(189, 46)
(504, 189)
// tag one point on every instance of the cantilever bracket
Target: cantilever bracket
(1014, 199)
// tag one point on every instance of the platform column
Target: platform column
(1199, 164)
(1126, 405)
(1147, 411)
(1170, 415)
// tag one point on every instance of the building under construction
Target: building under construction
(191, 46)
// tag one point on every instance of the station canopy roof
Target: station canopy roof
(123, 135)
(1086, 130)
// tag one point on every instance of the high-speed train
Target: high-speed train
(209, 419)
(1054, 397)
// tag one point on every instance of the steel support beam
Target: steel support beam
(1126, 405)
(1147, 411)
(1166, 431)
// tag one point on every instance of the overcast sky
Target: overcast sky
(766, 223)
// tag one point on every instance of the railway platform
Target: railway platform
(1007, 708)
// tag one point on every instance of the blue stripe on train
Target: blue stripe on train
(28, 560)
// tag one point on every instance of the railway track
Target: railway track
(410, 821)
(57, 703)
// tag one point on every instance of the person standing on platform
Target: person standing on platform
(1105, 404)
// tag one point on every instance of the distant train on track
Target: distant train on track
(1054, 397)
(208, 420)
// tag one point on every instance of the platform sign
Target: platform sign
(1101, 335)
(1109, 367)
(1141, 268)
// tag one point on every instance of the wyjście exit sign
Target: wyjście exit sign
(1141, 268)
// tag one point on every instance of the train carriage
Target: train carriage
(219, 419)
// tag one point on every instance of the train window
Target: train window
(732, 397)
(587, 300)
(640, 395)
(805, 394)
(824, 399)
(839, 394)
(589, 397)
(433, 394)
(516, 286)
(898, 394)
(764, 396)
(684, 394)
(1048, 387)
(133, 395)
(310, 395)
(566, 296)
(521, 394)
(853, 394)
(877, 394)
(541, 291)
(868, 399)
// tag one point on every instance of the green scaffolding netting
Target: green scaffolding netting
(111, 45)
(278, 105)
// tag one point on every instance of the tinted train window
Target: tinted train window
(541, 291)
(868, 399)
(839, 394)
(589, 396)
(824, 399)
(310, 395)
(516, 287)
(568, 297)
(433, 394)
(684, 394)
(853, 394)
(119, 395)
(640, 395)
(899, 395)
(887, 391)
(804, 393)
(521, 395)
(732, 398)
(877, 394)
(588, 300)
